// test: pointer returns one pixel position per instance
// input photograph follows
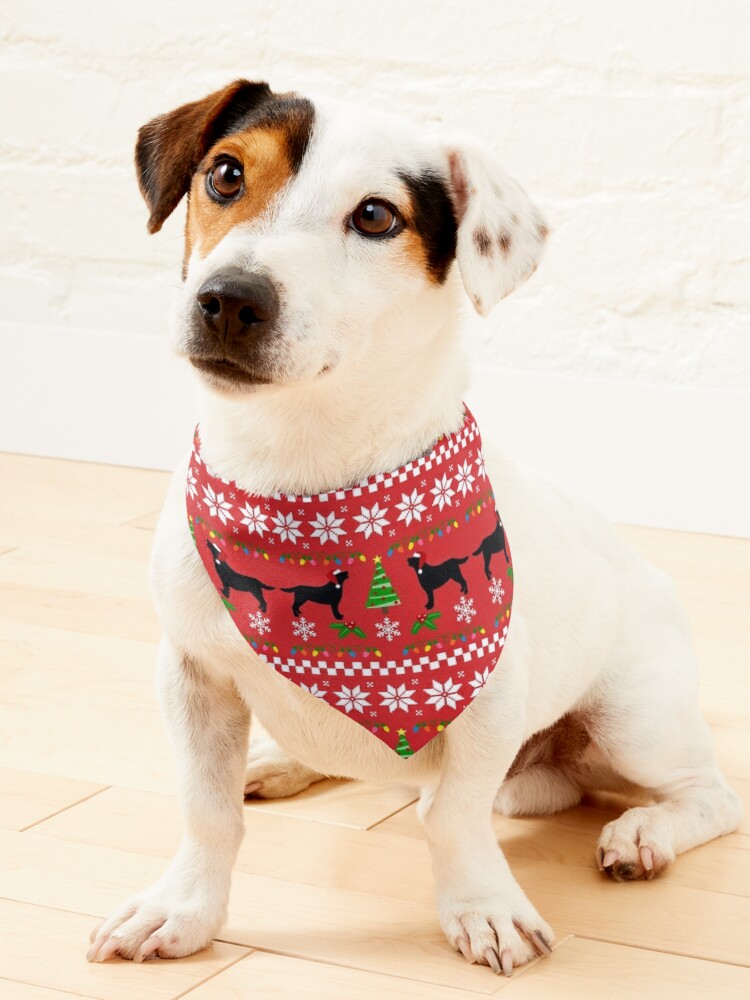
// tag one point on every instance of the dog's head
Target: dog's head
(320, 232)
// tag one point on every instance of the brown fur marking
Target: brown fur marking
(263, 153)
(504, 241)
(482, 242)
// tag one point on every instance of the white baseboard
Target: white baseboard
(657, 455)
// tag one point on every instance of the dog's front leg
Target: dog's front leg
(484, 912)
(184, 909)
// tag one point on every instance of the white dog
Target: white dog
(320, 309)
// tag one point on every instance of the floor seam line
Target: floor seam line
(59, 812)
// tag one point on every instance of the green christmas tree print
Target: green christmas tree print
(382, 594)
(402, 747)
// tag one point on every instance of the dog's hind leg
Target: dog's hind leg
(184, 909)
(272, 774)
(539, 790)
(651, 732)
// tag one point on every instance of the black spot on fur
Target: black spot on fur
(434, 219)
(482, 242)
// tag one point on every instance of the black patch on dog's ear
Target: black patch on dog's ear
(434, 219)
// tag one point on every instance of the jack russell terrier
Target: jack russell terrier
(320, 308)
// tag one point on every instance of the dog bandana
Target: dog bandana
(389, 601)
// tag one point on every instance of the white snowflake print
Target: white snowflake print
(191, 481)
(497, 591)
(254, 518)
(481, 467)
(411, 507)
(217, 505)
(232, 496)
(286, 527)
(396, 697)
(352, 699)
(260, 622)
(444, 694)
(314, 689)
(372, 521)
(464, 478)
(480, 679)
(327, 527)
(442, 492)
(387, 629)
(304, 629)
(465, 609)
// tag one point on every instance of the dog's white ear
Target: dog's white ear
(501, 234)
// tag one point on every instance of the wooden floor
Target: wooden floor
(332, 895)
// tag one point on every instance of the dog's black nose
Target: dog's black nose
(233, 304)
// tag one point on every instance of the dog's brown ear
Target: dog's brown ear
(170, 147)
(501, 234)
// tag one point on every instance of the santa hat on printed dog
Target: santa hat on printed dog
(419, 555)
(333, 576)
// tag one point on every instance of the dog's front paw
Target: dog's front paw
(156, 924)
(272, 774)
(497, 931)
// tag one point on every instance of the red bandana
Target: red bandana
(389, 600)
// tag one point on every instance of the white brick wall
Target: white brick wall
(628, 122)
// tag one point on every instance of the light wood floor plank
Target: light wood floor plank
(27, 798)
(86, 491)
(70, 702)
(46, 948)
(275, 977)
(583, 969)
(146, 522)
(27, 991)
(115, 570)
(355, 804)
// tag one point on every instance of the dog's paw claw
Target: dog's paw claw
(490, 957)
(506, 963)
(463, 947)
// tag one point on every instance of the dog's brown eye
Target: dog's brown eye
(225, 180)
(374, 217)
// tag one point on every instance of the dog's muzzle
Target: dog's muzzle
(234, 313)
(235, 308)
